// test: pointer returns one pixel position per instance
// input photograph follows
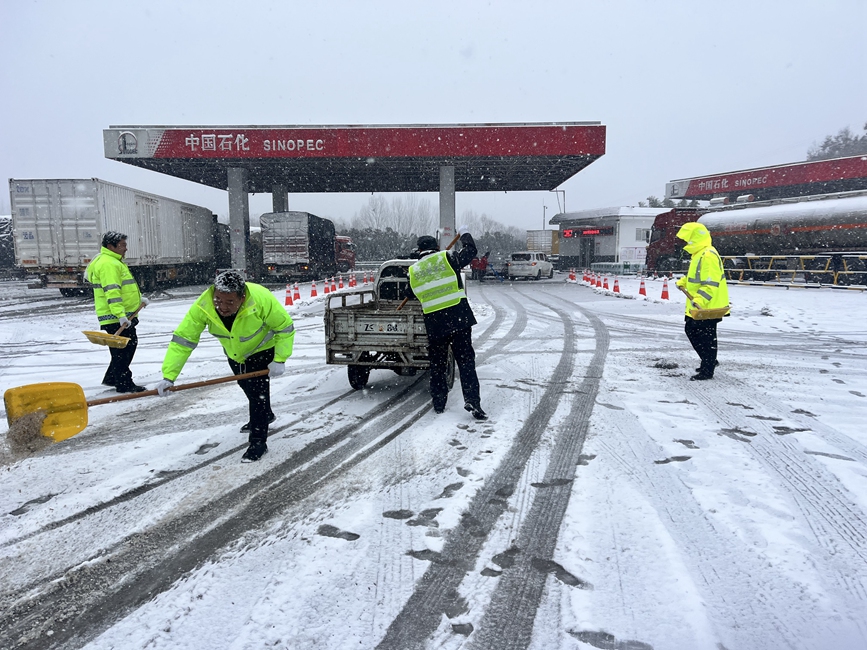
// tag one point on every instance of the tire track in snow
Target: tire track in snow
(422, 613)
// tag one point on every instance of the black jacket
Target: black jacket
(440, 324)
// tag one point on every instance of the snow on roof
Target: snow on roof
(598, 213)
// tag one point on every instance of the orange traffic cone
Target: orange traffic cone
(296, 294)
(339, 281)
(572, 275)
(616, 286)
(641, 290)
(288, 301)
(364, 278)
(352, 279)
(313, 293)
(333, 285)
(605, 282)
(326, 286)
(665, 289)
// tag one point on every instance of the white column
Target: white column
(447, 206)
(239, 217)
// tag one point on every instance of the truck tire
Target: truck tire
(358, 376)
(450, 369)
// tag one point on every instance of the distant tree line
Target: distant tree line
(845, 143)
(384, 229)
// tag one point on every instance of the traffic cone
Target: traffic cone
(664, 289)
(641, 290)
(326, 286)
(364, 279)
(313, 293)
(605, 282)
(333, 285)
(296, 294)
(572, 275)
(288, 301)
(616, 286)
(352, 279)
(340, 281)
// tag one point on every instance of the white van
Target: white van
(529, 264)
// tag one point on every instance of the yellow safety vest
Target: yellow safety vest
(435, 283)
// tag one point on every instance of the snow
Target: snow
(693, 515)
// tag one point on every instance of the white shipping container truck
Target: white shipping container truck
(58, 227)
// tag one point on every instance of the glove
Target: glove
(464, 230)
(163, 387)
(276, 368)
(145, 302)
(124, 321)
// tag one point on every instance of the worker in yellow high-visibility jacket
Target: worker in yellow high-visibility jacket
(706, 289)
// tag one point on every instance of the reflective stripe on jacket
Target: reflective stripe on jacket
(435, 283)
(115, 292)
(261, 323)
(705, 281)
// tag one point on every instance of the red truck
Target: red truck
(665, 251)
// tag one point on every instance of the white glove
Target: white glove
(145, 301)
(275, 369)
(163, 387)
(464, 230)
(124, 321)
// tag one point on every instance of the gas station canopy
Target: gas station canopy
(405, 158)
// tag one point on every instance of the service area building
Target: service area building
(611, 240)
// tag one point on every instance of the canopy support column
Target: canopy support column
(279, 198)
(447, 205)
(239, 218)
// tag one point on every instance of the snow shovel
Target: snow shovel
(705, 314)
(405, 300)
(58, 410)
(111, 340)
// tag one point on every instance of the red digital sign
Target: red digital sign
(569, 233)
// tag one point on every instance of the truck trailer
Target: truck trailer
(58, 226)
(302, 246)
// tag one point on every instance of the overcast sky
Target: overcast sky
(685, 88)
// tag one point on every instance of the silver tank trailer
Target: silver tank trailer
(802, 227)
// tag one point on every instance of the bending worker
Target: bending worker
(256, 333)
(117, 300)
(706, 290)
(448, 319)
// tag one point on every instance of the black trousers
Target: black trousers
(461, 342)
(702, 335)
(257, 390)
(118, 372)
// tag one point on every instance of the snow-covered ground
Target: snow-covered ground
(609, 502)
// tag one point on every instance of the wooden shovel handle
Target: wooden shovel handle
(404, 301)
(134, 314)
(195, 384)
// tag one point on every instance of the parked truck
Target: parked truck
(302, 246)
(58, 227)
(369, 328)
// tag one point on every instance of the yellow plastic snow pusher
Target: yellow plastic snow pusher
(59, 409)
(111, 340)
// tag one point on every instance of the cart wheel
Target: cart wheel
(358, 376)
(450, 369)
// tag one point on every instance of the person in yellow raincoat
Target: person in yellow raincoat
(256, 333)
(707, 296)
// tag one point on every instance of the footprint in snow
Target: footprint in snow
(689, 444)
(856, 393)
(606, 641)
(673, 459)
(327, 530)
(557, 482)
(24, 508)
(204, 449)
(450, 490)
(584, 459)
(398, 514)
(550, 566)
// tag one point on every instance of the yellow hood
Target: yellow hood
(695, 235)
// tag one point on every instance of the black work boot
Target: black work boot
(255, 451)
(476, 410)
(246, 427)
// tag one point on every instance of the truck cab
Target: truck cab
(665, 250)
(344, 253)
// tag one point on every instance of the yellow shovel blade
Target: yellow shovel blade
(63, 404)
(104, 338)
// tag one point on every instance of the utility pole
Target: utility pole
(544, 209)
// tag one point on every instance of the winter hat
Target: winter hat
(427, 243)
(112, 238)
(230, 282)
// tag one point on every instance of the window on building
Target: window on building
(642, 234)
